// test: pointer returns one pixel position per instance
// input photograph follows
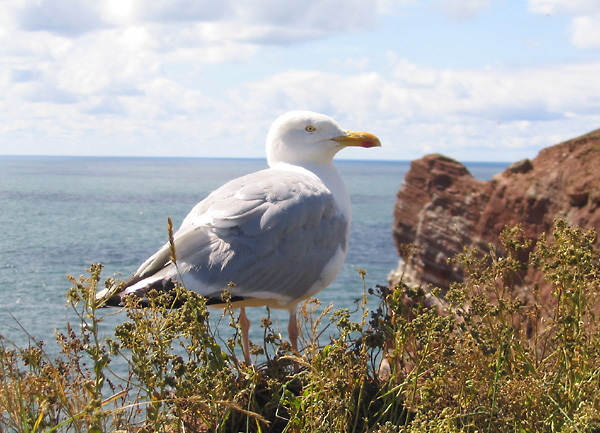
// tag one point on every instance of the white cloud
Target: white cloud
(123, 104)
(355, 64)
(460, 10)
(584, 28)
(107, 47)
(498, 94)
(449, 111)
(127, 12)
(107, 65)
(273, 21)
(68, 17)
(585, 31)
(131, 77)
(570, 7)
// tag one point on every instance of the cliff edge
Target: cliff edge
(441, 207)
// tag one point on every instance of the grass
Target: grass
(488, 356)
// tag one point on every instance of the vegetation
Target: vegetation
(479, 360)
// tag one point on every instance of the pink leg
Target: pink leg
(245, 325)
(293, 331)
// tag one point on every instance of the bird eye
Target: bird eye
(310, 128)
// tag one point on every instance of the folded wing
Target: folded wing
(272, 234)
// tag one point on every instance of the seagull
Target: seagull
(272, 238)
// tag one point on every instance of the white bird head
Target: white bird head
(301, 137)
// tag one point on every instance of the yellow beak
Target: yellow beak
(361, 139)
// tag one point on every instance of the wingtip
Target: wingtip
(106, 298)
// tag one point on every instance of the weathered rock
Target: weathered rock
(522, 166)
(442, 208)
(438, 207)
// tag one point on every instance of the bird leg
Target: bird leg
(245, 325)
(293, 333)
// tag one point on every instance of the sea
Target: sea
(58, 215)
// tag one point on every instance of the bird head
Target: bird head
(300, 137)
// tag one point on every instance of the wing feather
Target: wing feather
(271, 233)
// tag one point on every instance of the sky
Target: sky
(475, 80)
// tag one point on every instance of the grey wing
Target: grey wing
(271, 234)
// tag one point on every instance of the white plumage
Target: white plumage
(280, 235)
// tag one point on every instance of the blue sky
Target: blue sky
(477, 80)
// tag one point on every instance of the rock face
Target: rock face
(442, 208)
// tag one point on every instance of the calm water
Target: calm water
(60, 214)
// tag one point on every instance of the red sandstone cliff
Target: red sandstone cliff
(442, 208)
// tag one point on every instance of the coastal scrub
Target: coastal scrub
(487, 356)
